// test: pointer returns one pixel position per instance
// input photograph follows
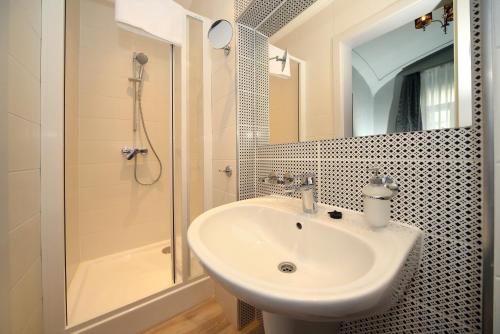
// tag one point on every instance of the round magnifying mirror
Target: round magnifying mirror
(220, 35)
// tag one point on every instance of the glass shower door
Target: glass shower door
(198, 162)
(137, 158)
(118, 162)
(192, 140)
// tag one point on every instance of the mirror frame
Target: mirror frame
(227, 47)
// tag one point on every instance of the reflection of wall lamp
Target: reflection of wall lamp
(282, 59)
(425, 20)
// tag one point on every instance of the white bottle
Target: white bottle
(377, 196)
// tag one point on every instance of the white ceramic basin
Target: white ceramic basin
(345, 269)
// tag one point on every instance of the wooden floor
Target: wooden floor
(206, 318)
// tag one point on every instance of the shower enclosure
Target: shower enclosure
(137, 159)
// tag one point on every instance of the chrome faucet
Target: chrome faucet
(306, 187)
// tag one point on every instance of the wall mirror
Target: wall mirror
(220, 35)
(344, 68)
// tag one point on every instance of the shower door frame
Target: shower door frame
(207, 134)
(146, 312)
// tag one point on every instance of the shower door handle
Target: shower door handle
(228, 171)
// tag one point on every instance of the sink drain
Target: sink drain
(166, 250)
(287, 267)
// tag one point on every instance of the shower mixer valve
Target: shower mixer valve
(131, 152)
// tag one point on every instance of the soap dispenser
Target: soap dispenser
(377, 196)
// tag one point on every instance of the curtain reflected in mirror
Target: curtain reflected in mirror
(426, 97)
(437, 97)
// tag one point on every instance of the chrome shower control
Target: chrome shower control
(131, 152)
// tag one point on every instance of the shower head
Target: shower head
(141, 58)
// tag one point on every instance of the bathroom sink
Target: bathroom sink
(310, 267)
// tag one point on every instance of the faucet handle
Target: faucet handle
(271, 178)
(308, 179)
(126, 150)
(288, 178)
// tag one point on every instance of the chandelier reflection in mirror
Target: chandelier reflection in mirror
(425, 20)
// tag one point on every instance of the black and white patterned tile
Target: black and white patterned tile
(284, 14)
(257, 11)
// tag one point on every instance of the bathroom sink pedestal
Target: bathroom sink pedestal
(280, 324)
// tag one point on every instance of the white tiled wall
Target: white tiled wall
(496, 76)
(24, 166)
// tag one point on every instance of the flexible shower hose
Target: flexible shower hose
(139, 106)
